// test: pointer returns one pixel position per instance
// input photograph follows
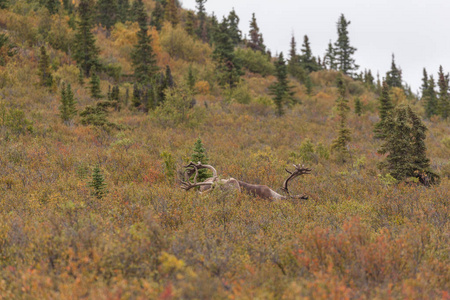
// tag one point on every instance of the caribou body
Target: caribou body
(257, 190)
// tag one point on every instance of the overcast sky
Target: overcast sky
(416, 31)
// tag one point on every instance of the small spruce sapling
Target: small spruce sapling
(199, 155)
(98, 183)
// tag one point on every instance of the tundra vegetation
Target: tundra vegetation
(101, 106)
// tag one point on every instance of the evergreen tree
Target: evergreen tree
(107, 13)
(67, 108)
(281, 90)
(169, 83)
(233, 26)
(51, 5)
(199, 155)
(123, 10)
(201, 14)
(134, 10)
(385, 107)
(343, 51)
(308, 85)
(405, 147)
(308, 61)
(424, 86)
(171, 12)
(444, 99)
(330, 58)
(431, 100)
(157, 17)
(228, 67)
(98, 183)
(369, 79)
(81, 77)
(358, 106)
(190, 23)
(191, 79)
(45, 74)
(144, 61)
(85, 50)
(256, 41)
(340, 143)
(394, 76)
(294, 65)
(95, 87)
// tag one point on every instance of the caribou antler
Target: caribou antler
(299, 170)
(192, 168)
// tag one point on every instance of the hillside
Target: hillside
(361, 234)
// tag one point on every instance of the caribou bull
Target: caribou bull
(262, 191)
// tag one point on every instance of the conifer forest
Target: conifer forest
(105, 103)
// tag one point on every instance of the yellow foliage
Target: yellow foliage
(202, 87)
(398, 96)
(180, 45)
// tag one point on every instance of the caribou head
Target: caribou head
(257, 190)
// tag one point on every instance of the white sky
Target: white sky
(416, 31)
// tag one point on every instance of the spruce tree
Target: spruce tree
(358, 106)
(157, 16)
(67, 108)
(308, 61)
(256, 41)
(294, 65)
(394, 76)
(308, 85)
(405, 147)
(385, 107)
(45, 75)
(340, 143)
(96, 92)
(190, 80)
(201, 14)
(107, 13)
(228, 67)
(199, 155)
(281, 90)
(190, 23)
(85, 50)
(98, 183)
(143, 58)
(369, 79)
(444, 99)
(51, 5)
(233, 27)
(123, 11)
(431, 100)
(171, 12)
(424, 86)
(343, 51)
(330, 57)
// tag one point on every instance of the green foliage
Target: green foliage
(255, 62)
(309, 85)
(307, 150)
(6, 49)
(94, 87)
(85, 51)
(97, 115)
(281, 89)
(404, 144)
(322, 151)
(240, 93)
(97, 183)
(431, 100)
(330, 58)
(67, 108)
(307, 60)
(385, 107)
(107, 13)
(256, 41)
(171, 12)
(394, 76)
(444, 97)
(190, 79)
(358, 106)
(199, 155)
(169, 164)
(178, 108)
(228, 67)
(343, 138)
(14, 119)
(143, 57)
(343, 52)
(45, 74)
